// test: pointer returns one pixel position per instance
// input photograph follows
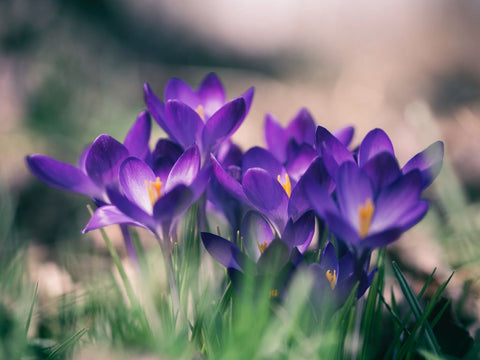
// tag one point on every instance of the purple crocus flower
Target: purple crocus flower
(97, 166)
(164, 156)
(300, 198)
(273, 268)
(338, 275)
(429, 162)
(364, 219)
(259, 190)
(262, 183)
(202, 116)
(266, 256)
(258, 234)
(258, 237)
(222, 207)
(376, 157)
(293, 146)
(144, 199)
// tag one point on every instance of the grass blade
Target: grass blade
(118, 263)
(67, 344)
(30, 312)
(371, 315)
(416, 308)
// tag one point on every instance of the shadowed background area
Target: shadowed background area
(70, 70)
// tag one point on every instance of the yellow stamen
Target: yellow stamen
(154, 189)
(332, 278)
(262, 246)
(365, 214)
(274, 293)
(200, 112)
(287, 186)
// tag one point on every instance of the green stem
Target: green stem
(118, 263)
(167, 258)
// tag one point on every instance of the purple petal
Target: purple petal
(300, 233)
(156, 108)
(185, 169)
(257, 157)
(353, 190)
(235, 172)
(222, 124)
(334, 153)
(276, 138)
(138, 137)
(414, 215)
(429, 162)
(248, 97)
(302, 128)
(411, 217)
(299, 201)
(381, 239)
(319, 198)
(131, 209)
(83, 157)
(382, 169)
(164, 156)
(225, 204)
(225, 252)
(201, 181)
(345, 135)
(306, 191)
(229, 154)
(184, 123)
(255, 231)
(267, 195)
(135, 175)
(329, 260)
(172, 204)
(231, 185)
(365, 282)
(61, 175)
(108, 215)
(395, 202)
(342, 228)
(176, 89)
(211, 94)
(104, 159)
(300, 162)
(374, 143)
(346, 267)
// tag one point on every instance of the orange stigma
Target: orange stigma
(365, 214)
(274, 293)
(262, 246)
(200, 112)
(154, 189)
(332, 278)
(287, 186)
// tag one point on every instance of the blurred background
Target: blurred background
(70, 70)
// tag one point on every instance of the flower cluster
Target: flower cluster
(307, 181)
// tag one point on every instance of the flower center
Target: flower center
(365, 214)
(154, 189)
(200, 112)
(274, 293)
(262, 246)
(332, 278)
(287, 185)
